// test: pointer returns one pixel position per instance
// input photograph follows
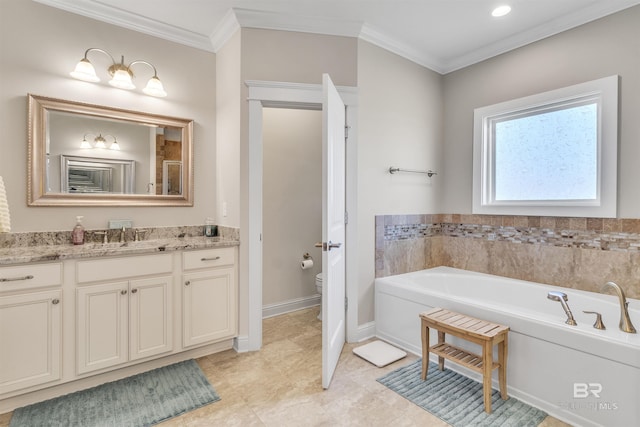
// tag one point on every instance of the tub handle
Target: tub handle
(599, 324)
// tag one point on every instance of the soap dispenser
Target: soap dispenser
(77, 235)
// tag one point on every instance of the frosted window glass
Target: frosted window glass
(548, 156)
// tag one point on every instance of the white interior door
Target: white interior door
(333, 228)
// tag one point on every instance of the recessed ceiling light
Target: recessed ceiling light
(501, 11)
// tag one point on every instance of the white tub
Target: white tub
(579, 374)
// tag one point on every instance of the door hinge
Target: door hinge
(346, 131)
(346, 217)
(346, 303)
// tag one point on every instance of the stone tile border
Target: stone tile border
(605, 234)
(589, 233)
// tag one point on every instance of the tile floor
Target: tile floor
(281, 385)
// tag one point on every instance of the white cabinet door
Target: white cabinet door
(102, 327)
(209, 306)
(30, 339)
(150, 320)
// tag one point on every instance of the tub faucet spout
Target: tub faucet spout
(625, 321)
(562, 298)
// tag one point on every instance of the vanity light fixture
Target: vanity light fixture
(121, 74)
(99, 141)
(501, 11)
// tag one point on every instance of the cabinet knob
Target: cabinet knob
(133, 291)
(187, 283)
(123, 292)
(55, 301)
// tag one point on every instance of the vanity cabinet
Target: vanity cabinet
(30, 326)
(209, 296)
(123, 320)
(64, 323)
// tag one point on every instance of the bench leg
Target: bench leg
(440, 359)
(502, 371)
(487, 363)
(425, 350)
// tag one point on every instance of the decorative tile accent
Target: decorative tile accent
(581, 251)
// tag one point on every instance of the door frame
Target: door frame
(263, 94)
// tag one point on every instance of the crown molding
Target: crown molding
(404, 50)
(248, 18)
(548, 29)
(237, 18)
(224, 31)
(132, 21)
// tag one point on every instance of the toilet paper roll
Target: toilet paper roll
(306, 264)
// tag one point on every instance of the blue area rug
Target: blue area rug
(141, 400)
(458, 400)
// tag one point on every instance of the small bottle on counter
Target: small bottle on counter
(77, 234)
(210, 229)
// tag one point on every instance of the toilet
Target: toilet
(319, 290)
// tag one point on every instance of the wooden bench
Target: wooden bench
(478, 331)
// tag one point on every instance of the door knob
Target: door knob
(334, 245)
(329, 246)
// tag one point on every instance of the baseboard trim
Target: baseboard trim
(365, 332)
(276, 309)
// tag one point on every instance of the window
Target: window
(553, 153)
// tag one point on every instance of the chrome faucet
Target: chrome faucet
(122, 235)
(562, 298)
(625, 321)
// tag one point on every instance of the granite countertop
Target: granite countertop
(47, 252)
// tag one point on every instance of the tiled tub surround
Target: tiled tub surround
(580, 253)
(56, 245)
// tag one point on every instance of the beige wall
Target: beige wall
(602, 48)
(286, 56)
(228, 128)
(40, 45)
(399, 124)
(292, 208)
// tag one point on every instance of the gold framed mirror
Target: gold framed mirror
(81, 154)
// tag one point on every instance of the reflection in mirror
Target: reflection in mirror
(82, 154)
(171, 177)
(92, 175)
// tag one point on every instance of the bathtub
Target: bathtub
(579, 374)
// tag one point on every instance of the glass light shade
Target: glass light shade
(114, 145)
(154, 88)
(122, 80)
(85, 144)
(85, 71)
(100, 142)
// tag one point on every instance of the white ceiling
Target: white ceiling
(443, 35)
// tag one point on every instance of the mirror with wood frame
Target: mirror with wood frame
(91, 155)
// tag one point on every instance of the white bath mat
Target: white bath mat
(379, 353)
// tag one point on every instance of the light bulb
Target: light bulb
(122, 80)
(100, 142)
(154, 88)
(501, 11)
(85, 71)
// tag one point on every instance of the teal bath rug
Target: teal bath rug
(457, 399)
(141, 400)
